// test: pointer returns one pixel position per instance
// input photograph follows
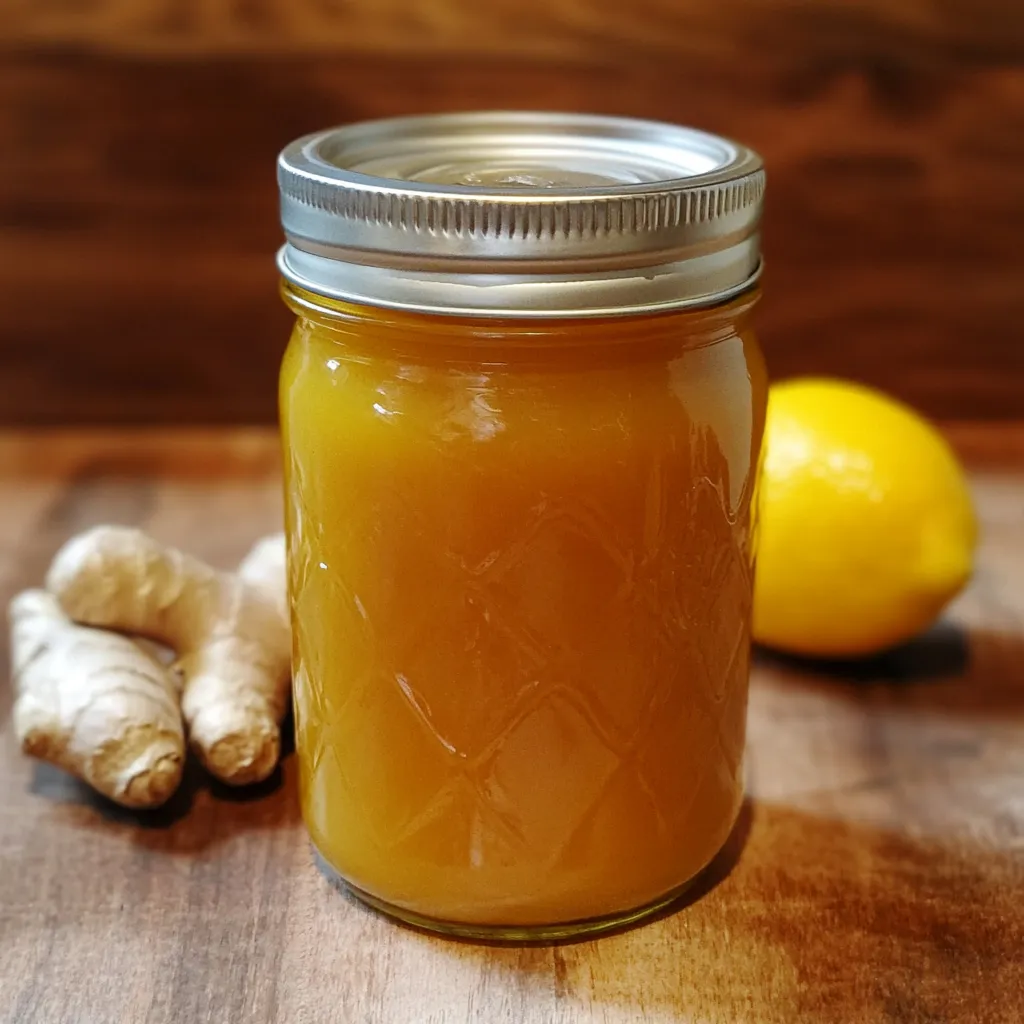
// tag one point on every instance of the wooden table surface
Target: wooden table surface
(877, 874)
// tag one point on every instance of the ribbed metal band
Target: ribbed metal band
(383, 212)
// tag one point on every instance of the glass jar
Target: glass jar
(522, 411)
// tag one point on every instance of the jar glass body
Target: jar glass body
(520, 560)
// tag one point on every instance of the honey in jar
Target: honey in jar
(522, 410)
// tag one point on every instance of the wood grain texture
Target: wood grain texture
(564, 29)
(877, 874)
(138, 207)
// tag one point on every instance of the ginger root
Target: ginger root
(264, 567)
(229, 631)
(95, 704)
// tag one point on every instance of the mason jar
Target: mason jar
(522, 410)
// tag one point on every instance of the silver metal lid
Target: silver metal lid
(520, 214)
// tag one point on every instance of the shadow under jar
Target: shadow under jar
(522, 411)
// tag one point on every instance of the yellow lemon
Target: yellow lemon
(866, 527)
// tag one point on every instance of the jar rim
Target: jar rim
(328, 309)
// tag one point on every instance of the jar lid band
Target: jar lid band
(520, 214)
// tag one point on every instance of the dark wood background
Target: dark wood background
(138, 205)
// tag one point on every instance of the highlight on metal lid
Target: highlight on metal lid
(524, 214)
